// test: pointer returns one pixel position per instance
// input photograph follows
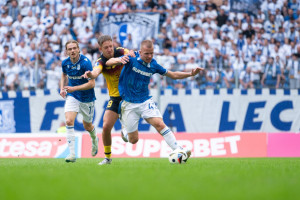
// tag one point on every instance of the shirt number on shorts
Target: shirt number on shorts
(109, 103)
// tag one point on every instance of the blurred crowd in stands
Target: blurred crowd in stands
(237, 50)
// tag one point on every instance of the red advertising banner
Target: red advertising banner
(202, 145)
(283, 145)
(35, 146)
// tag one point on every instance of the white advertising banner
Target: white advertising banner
(196, 111)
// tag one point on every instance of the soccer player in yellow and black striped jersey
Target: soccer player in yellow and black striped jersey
(111, 74)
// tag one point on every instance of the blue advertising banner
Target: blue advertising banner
(14, 115)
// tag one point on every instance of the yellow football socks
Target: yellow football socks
(107, 151)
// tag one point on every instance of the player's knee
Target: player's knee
(133, 140)
(106, 127)
(159, 125)
(69, 122)
(88, 127)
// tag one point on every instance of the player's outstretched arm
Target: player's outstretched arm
(117, 61)
(182, 75)
(63, 82)
(92, 74)
(86, 86)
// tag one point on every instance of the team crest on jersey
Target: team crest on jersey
(78, 67)
(7, 122)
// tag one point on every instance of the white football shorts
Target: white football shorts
(132, 112)
(86, 109)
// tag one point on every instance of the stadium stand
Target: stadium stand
(237, 50)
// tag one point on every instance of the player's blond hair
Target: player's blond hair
(103, 38)
(71, 41)
(147, 44)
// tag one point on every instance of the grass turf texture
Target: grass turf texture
(151, 178)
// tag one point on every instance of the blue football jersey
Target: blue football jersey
(74, 73)
(135, 78)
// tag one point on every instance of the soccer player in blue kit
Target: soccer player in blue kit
(79, 95)
(133, 88)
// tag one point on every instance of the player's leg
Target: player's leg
(70, 118)
(153, 116)
(109, 119)
(164, 131)
(71, 110)
(87, 111)
(130, 116)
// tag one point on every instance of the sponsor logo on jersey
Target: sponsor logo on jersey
(141, 72)
(74, 77)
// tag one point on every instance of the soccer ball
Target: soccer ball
(178, 157)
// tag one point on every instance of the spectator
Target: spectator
(255, 69)
(64, 8)
(29, 21)
(36, 10)
(53, 77)
(23, 74)
(221, 18)
(129, 43)
(294, 72)
(11, 80)
(13, 9)
(228, 78)
(212, 77)
(246, 78)
(119, 7)
(271, 76)
(183, 58)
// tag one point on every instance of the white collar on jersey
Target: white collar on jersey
(143, 62)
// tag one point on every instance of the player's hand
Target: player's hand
(124, 59)
(87, 74)
(196, 71)
(63, 93)
(131, 53)
(69, 89)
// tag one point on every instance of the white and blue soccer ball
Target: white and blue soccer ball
(178, 156)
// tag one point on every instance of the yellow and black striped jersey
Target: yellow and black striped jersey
(112, 73)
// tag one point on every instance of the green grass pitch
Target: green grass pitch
(151, 178)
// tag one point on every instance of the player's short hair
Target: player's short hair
(71, 41)
(104, 38)
(147, 44)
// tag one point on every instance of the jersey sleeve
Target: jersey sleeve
(98, 64)
(88, 65)
(63, 66)
(159, 69)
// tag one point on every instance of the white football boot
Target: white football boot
(106, 161)
(70, 158)
(95, 146)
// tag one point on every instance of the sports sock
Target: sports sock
(169, 138)
(107, 151)
(71, 139)
(93, 134)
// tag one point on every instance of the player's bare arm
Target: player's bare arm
(92, 74)
(117, 61)
(63, 82)
(182, 75)
(89, 85)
